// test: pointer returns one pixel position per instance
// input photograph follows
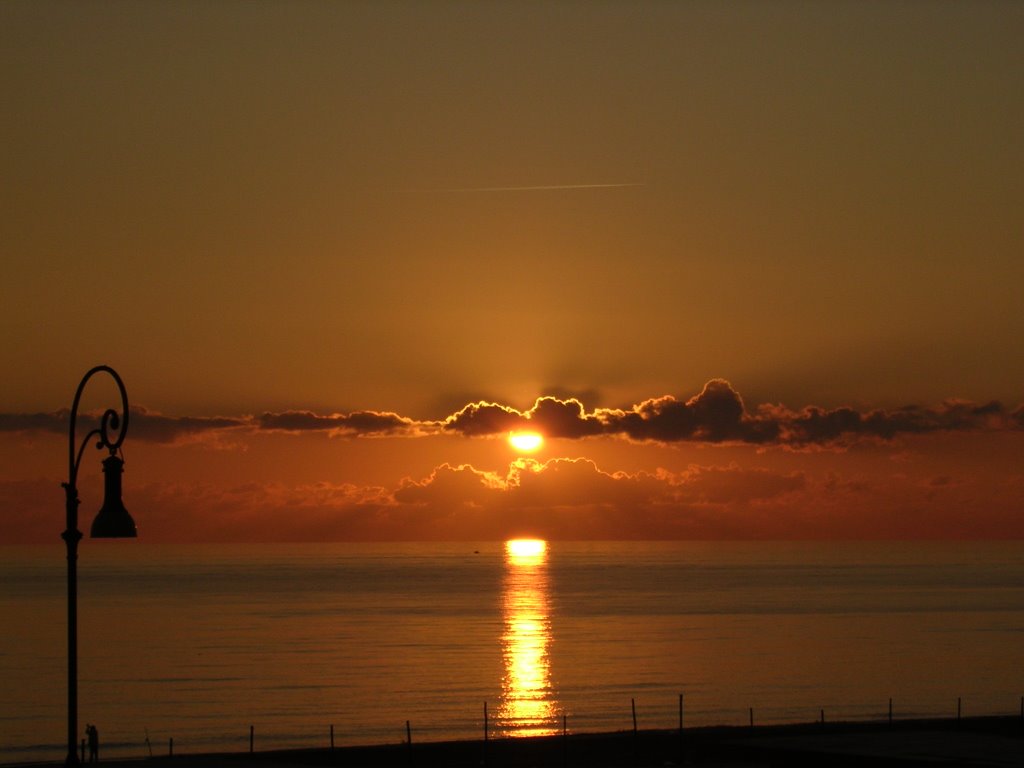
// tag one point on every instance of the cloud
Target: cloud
(563, 418)
(716, 415)
(575, 499)
(461, 485)
(255, 511)
(560, 499)
(357, 423)
(36, 422)
(735, 485)
(142, 423)
(152, 426)
(485, 418)
(156, 427)
(1018, 417)
(813, 425)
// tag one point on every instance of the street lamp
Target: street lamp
(113, 521)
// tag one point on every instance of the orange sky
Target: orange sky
(309, 235)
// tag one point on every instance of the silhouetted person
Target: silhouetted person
(94, 743)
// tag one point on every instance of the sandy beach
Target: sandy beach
(985, 741)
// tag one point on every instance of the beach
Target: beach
(980, 741)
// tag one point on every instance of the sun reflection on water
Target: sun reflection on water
(527, 698)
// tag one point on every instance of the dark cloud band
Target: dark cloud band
(145, 424)
(716, 415)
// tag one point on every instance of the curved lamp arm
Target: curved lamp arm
(111, 420)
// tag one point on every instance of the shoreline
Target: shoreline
(984, 741)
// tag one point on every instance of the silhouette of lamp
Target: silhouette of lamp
(112, 522)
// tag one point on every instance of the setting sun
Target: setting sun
(526, 548)
(525, 441)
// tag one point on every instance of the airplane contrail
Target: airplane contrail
(545, 188)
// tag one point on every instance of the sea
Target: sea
(295, 645)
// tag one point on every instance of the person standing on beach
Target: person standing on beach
(94, 744)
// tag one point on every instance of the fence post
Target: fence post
(332, 735)
(170, 747)
(251, 730)
(890, 710)
(565, 740)
(408, 741)
(636, 754)
(484, 761)
(682, 749)
(751, 717)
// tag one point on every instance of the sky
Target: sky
(752, 269)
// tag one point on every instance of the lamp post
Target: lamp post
(112, 521)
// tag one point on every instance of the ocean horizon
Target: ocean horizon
(200, 642)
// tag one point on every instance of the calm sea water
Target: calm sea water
(199, 643)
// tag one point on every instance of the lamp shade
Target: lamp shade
(113, 520)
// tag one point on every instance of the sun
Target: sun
(525, 442)
(526, 549)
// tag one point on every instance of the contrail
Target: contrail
(544, 188)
